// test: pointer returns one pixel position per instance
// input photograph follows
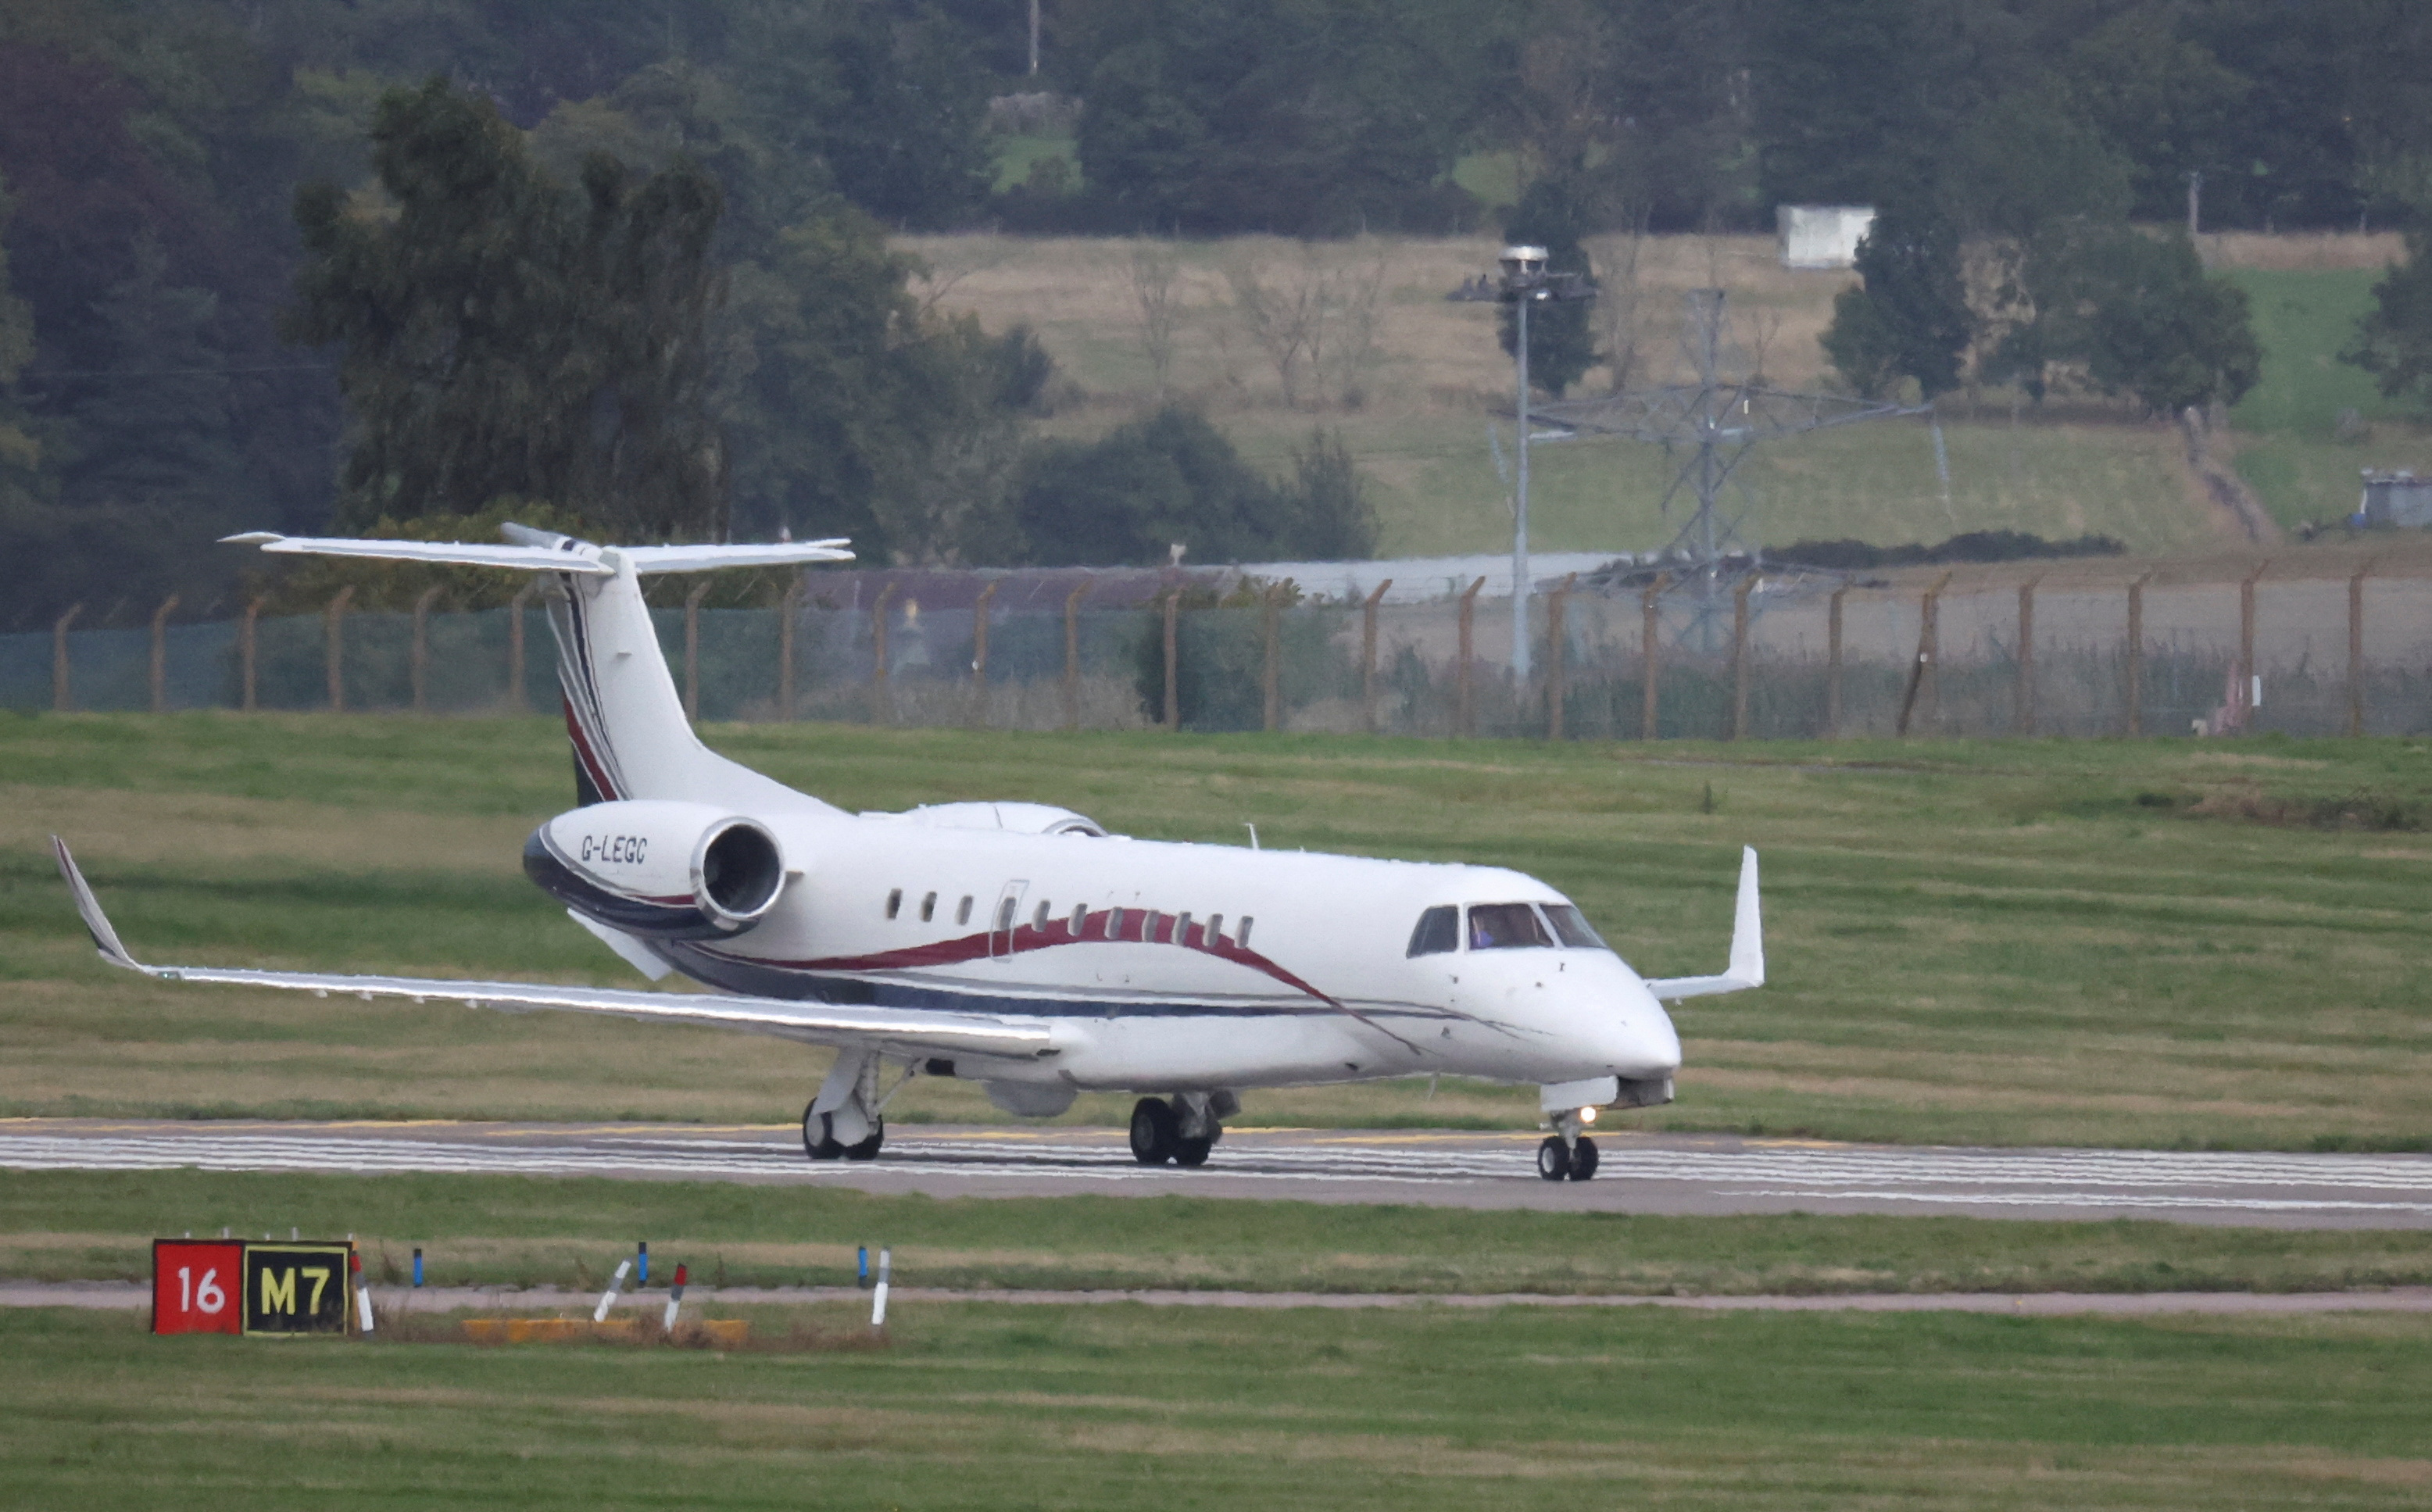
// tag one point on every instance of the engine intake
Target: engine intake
(659, 869)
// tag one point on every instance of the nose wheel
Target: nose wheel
(1574, 1162)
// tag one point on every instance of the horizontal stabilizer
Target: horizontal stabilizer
(887, 1030)
(1746, 968)
(538, 551)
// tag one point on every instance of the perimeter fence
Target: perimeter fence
(2318, 641)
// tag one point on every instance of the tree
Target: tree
(501, 334)
(1561, 344)
(2393, 339)
(2150, 323)
(1910, 316)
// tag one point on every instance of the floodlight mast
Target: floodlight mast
(1523, 281)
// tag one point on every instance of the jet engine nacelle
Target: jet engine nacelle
(660, 869)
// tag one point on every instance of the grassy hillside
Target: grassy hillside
(1419, 422)
(2152, 943)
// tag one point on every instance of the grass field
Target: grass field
(1419, 430)
(523, 1231)
(995, 1407)
(2156, 943)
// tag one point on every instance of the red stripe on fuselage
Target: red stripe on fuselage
(1131, 925)
(583, 753)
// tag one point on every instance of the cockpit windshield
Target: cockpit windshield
(1572, 928)
(1505, 927)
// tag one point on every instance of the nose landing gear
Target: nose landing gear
(1567, 1154)
(1182, 1131)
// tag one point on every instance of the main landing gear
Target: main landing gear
(1568, 1155)
(1181, 1131)
(843, 1122)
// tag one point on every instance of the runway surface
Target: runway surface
(1641, 1173)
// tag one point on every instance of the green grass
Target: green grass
(2293, 456)
(1017, 155)
(2098, 942)
(523, 1230)
(999, 1407)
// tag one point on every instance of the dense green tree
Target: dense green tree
(2150, 323)
(1174, 479)
(2393, 339)
(1561, 339)
(502, 334)
(1909, 317)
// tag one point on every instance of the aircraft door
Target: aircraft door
(1007, 919)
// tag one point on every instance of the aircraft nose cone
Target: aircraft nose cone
(1644, 1045)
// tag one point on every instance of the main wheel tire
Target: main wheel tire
(1192, 1152)
(1554, 1159)
(1155, 1130)
(818, 1142)
(868, 1148)
(1583, 1159)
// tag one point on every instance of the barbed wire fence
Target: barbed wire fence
(2317, 641)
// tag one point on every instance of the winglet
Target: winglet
(1747, 926)
(96, 923)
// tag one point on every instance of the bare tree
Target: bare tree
(1620, 318)
(1316, 322)
(1154, 267)
(1276, 313)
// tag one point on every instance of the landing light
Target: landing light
(1587, 1115)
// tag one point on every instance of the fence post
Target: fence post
(979, 708)
(516, 697)
(1368, 656)
(1832, 663)
(2246, 629)
(62, 697)
(160, 654)
(692, 651)
(244, 644)
(333, 645)
(882, 706)
(1650, 646)
(1271, 672)
(1172, 659)
(789, 608)
(1557, 667)
(422, 650)
(2355, 649)
(1073, 655)
(1921, 677)
(2137, 654)
(2023, 716)
(1461, 711)
(1739, 655)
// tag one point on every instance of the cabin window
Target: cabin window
(1038, 921)
(1080, 916)
(1005, 915)
(1505, 927)
(928, 908)
(1571, 926)
(1149, 930)
(1215, 930)
(894, 902)
(1241, 931)
(1438, 932)
(963, 910)
(1182, 930)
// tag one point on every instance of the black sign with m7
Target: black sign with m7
(296, 1287)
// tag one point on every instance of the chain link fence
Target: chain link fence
(2323, 641)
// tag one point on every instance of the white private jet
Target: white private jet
(1018, 944)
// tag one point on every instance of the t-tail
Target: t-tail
(623, 716)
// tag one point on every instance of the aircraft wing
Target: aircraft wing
(1747, 968)
(893, 1030)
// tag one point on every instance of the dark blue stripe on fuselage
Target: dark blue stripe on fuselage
(760, 980)
(635, 915)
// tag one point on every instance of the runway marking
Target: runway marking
(2095, 1182)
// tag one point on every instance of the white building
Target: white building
(1822, 236)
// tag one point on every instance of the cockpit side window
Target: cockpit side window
(1505, 927)
(1571, 926)
(1438, 932)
